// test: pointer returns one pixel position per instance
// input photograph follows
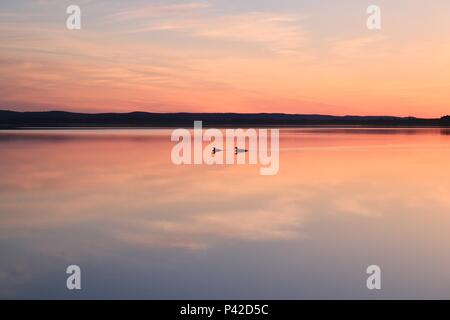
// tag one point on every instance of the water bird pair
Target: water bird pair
(236, 150)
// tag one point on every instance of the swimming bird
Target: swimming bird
(237, 150)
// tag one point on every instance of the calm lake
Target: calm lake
(113, 203)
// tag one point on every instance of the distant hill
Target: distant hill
(13, 119)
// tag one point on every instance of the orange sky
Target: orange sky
(215, 56)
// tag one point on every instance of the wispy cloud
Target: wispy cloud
(280, 33)
(366, 46)
(157, 10)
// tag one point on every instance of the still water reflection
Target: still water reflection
(112, 202)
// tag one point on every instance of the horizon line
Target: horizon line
(227, 112)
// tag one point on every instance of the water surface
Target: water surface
(112, 202)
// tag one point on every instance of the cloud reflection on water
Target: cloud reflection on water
(99, 198)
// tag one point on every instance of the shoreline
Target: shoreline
(331, 126)
(13, 120)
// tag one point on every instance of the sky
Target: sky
(289, 56)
